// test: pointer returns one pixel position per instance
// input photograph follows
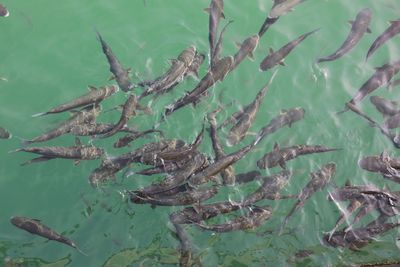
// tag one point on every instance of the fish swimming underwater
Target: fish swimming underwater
(390, 32)
(4, 133)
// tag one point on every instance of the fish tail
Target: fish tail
(16, 150)
(25, 142)
(79, 250)
(39, 114)
(342, 111)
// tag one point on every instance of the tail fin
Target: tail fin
(39, 114)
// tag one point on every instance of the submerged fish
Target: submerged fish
(124, 141)
(92, 129)
(35, 227)
(77, 152)
(95, 96)
(319, 180)
(276, 11)
(246, 49)
(3, 11)
(185, 249)
(280, 155)
(216, 55)
(275, 58)
(256, 217)
(216, 11)
(390, 32)
(4, 133)
(121, 75)
(358, 28)
(384, 106)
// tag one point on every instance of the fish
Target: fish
(358, 238)
(4, 133)
(275, 58)
(239, 130)
(228, 174)
(124, 141)
(270, 188)
(287, 117)
(187, 197)
(84, 116)
(185, 248)
(389, 33)
(246, 49)
(199, 213)
(392, 122)
(128, 111)
(121, 75)
(175, 73)
(279, 156)
(256, 217)
(216, 11)
(218, 73)
(107, 170)
(358, 28)
(95, 96)
(319, 179)
(384, 106)
(246, 177)
(216, 55)
(388, 167)
(349, 192)
(92, 129)
(36, 227)
(276, 11)
(78, 152)
(3, 11)
(393, 84)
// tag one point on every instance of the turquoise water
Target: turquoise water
(49, 54)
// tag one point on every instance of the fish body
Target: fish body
(389, 33)
(4, 133)
(384, 106)
(281, 7)
(392, 122)
(247, 177)
(319, 180)
(256, 217)
(85, 116)
(280, 155)
(218, 73)
(271, 20)
(124, 141)
(35, 227)
(121, 75)
(358, 29)
(175, 73)
(107, 171)
(246, 49)
(185, 248)
(287, 117)
(216, 11)
(92, 129)
(270, 188)
(275, 58)
(3, 11)
(128, 111)
(95, 96)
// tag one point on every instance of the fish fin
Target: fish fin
(369, 30)
(271, 51)
(36, 160)
(92, 88)
(222, 15)
(112, 77)
(78, 141)
(76, 162)
(351, 22)
(251, 56)
(281, 63)
(238, 45)
(39, 114)
(207, 10)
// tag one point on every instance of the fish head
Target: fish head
(296, 114)
(18, 220)
(188, 55)
(365, 15)
(270, 160)
(372, 164)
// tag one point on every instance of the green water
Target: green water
(49, 54)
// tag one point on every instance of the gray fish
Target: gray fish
(381, 77)
(218, 73)
(35, 227)
(246, 49)
(121, 75)
(393, 84)
(244, 122)
(358, 238)
(280, 155)
(128, 111)
(275, 58)
(392, 122)
(247, 177)
(95, 96)
(107, 171)
(276, 11)
(384, 106)
(282, 7)
(185, 249)
(256, 217)
(383, 164)
(358, 28)
(124, 141)
(187, 197)
(216, 11)
(228, 174)
(270, 188)
(4, 133)
(349, 192)
(175, 73)
(200, 213)
(3, 11)
(319, 180)
(287, 117)
(86, 115)
(218, 47)
(92, 129)
(390, 32)
(77, 152)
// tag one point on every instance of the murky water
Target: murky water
(49, 54)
